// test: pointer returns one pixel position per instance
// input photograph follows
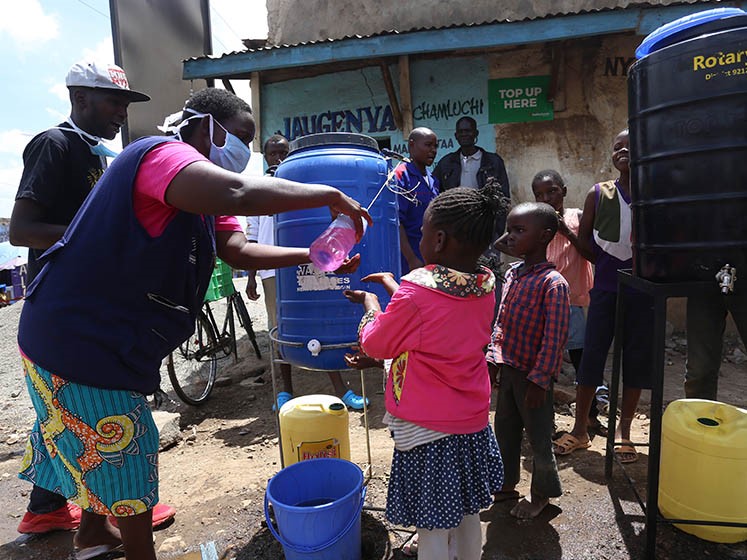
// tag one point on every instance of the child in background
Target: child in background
(414, 178)
(525, 353)
(446, 463)
(573, 260)
(605, 228)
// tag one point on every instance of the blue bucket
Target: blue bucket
(317, 505)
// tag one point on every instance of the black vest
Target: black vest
(111, 302)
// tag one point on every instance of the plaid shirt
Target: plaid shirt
(532, 325)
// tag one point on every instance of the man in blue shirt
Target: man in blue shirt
(419, 188)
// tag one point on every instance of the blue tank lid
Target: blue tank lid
(678, 29)
(333, 138)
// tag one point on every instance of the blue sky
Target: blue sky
(40, 41)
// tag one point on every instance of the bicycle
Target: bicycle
(193, 367)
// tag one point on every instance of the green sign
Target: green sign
(519, 100)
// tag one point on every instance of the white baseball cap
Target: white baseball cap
(103, 76)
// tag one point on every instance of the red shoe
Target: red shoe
(161, 514)
(67, 518)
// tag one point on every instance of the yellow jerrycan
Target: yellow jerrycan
(703, 469)
(314, 426)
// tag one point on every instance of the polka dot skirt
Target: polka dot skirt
(433, 486)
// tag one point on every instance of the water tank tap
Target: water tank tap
(726, 278)
(314, 346)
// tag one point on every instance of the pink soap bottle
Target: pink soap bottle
(334, 244)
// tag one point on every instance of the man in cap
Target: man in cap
(61, 166)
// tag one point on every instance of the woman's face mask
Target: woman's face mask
(233, 155)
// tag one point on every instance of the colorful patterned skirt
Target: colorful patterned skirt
(96, 447)
(433, 486)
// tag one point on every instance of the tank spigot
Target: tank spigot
(314, 346)
(726, 278)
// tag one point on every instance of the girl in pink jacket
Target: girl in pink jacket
(446, 463)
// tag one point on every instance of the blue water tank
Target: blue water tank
(310, 304)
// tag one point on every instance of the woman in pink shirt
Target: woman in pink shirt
(446, 463)
(141, 249)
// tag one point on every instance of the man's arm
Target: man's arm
(404, 245)
(27, 228)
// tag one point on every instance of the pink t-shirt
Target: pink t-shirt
(157, 169)
(575, 269)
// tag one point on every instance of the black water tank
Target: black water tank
(688, 142)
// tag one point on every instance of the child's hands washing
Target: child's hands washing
(386, 279)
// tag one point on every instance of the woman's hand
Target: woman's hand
(350, 207)
(386, 279)
(349, 265)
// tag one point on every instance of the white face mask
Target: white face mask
(97, 149)
(233, 155)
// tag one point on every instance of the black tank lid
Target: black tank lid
(333, 138)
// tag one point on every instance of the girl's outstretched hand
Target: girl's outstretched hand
(349, 265)
(370, 301)
(356, 296)
(386, 279)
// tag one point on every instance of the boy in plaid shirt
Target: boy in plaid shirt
(526, 350)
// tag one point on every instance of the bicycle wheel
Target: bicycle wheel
(193, 367)
(246, 321)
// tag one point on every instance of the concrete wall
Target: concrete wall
(576, 143)
(357, 102)
(296, 21)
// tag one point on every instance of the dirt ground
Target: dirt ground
(216, 476)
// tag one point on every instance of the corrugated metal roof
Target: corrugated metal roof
(640, 18)
(434, 28)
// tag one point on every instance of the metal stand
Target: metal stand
(660, 292)
(367, 470)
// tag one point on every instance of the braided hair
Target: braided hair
(469, 215)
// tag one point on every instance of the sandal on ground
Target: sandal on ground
(567, 444)
(283, 397)
(353, 401)
(410, 548)
(95, 551)
(626, 452)
(162, 514)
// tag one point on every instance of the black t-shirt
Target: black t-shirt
(59, 171)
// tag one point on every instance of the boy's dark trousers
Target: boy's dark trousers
(511, 419)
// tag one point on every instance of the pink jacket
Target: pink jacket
(436, 325)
